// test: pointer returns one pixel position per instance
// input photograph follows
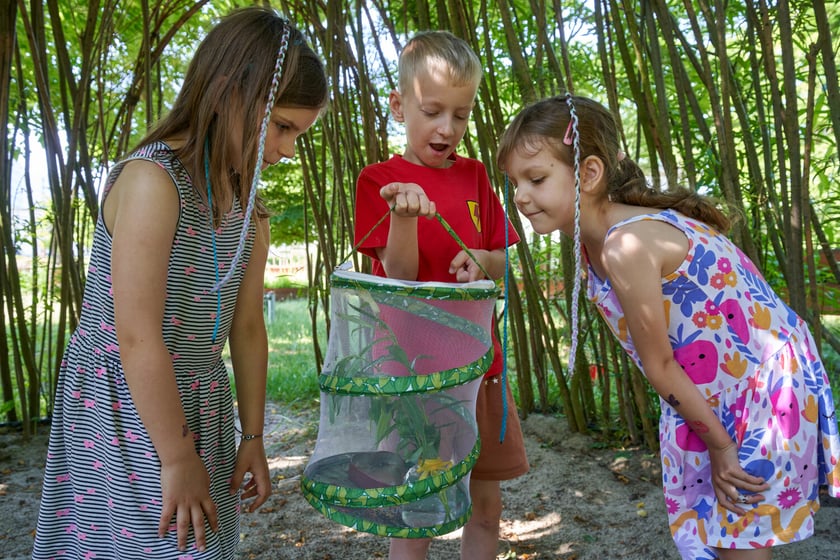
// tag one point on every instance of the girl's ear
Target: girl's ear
(395, 103)
(591, 173)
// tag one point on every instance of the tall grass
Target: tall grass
(292, 377)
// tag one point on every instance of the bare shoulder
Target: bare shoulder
(654, 245)
(142, 187)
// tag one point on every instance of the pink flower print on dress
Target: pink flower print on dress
(789, 498)
(699, 360)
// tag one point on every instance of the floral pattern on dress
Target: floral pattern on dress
(757, 365)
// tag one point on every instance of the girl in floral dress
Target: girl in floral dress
(748, 429)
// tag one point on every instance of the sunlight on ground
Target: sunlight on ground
(287, 462)
(533, 528)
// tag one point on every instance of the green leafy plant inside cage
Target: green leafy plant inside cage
(407, 416)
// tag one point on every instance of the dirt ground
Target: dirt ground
(580, 501)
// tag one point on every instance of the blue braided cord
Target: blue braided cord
(212, 236)
(576, 289)
(505, 319)
(252, 195)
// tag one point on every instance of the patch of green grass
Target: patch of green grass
(285, 281)
(292, 376)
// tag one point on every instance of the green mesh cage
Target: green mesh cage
(397, 436)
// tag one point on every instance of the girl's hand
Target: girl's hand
(186, 495)
(733, 485)
(464, 268)
(407, 200)
(250, 458)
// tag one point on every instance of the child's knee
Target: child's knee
(487, 508)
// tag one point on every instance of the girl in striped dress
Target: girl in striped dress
(143, 459)
(748, 431)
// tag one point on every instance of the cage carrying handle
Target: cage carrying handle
(442, 222)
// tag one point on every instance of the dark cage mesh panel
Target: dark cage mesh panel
(397, 435)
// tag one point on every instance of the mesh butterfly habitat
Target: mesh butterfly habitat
(397, 436)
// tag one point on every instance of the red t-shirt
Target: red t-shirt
(464, 198)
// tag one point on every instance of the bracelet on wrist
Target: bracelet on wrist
(248, 437)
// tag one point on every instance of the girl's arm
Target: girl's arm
(141, 211)
(636, 257)
(249, 355)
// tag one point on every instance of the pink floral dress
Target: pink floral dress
(757, 365)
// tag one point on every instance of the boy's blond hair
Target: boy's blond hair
(438, 49)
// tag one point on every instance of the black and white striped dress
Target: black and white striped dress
(102, 492)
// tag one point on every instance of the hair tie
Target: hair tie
(620, 156)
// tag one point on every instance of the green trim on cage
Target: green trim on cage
(439, 291)
(403, 384)
(383, 530)
(390, 495)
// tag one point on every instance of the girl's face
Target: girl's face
(435, 113)
(284, 126)
(545, 189)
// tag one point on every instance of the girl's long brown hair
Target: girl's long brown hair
(224, 95)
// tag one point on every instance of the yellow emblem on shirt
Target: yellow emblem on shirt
(475, 214)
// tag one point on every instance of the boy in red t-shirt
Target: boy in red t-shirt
(438, 79)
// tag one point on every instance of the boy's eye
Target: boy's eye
(537, 180)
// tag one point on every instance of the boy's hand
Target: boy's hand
(408, 200)
(464, 268)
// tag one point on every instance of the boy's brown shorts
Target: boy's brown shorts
(505, 460)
